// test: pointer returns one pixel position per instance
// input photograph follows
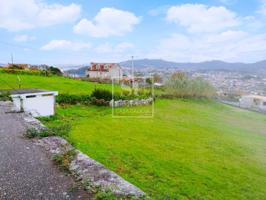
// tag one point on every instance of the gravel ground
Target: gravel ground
(26, 172)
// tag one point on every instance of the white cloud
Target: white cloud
(202, 18)
(108, 22)
(16, 15)
(65, 45)
(262, 9)
(23, 38)
(119, 48)
(229, 46)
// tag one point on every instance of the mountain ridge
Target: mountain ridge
(143, 64)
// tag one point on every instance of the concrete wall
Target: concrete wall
(38, 105)
(252, 103)
(114, 72)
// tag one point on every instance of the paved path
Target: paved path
(26, 172)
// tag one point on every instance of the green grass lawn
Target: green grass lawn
(189, 150)
(61, 84)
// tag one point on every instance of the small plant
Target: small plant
(64, 159)
(59, 130)
(5, 96)
(31, 133)
(105, 195)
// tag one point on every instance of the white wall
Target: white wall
(114, 72)
(248, 102)
(37, 105)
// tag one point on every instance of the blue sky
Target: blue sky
(78, 32)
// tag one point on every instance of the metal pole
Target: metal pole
(132, 70)
(12, 61)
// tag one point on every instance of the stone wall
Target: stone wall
(133, 102)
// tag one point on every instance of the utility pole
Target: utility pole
(132, 70)
(12, 60)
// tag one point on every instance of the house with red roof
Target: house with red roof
(105, 71)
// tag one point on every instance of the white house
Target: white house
(105, 71)
(253, 102)
(39, 103)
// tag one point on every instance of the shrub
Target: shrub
(64, 159)
(180, 85)
(22, 71)
(73, 99)
(31, 133)
(102, 94)
(5, 96)
(55, 71)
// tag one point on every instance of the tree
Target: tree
(55, 71)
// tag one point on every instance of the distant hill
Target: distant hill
(208, 65)
(144, 64)
(79, 71)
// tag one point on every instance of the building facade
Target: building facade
(254, 102)
(105, 71)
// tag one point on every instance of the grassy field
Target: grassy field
(191, 149)
(61, 84)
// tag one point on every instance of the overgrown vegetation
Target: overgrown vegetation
(20, 69)
(5, 96)
(61, 130)
(64, 159)
(180, 85)
(101, 97)
(73, 99)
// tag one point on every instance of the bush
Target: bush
(23, 71)
(5, 96)
(102, 94)
(180, 85)
(20, 70)
(55, 71)
(73, 99)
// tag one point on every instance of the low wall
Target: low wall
(133, 102)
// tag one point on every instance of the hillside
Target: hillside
(208, 65)
(191, 149)
(61, 84)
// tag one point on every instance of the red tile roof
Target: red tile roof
(102, 66)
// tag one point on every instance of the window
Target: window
(30, 96)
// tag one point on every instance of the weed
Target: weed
(5, 96)
(64, 159)
(31, 133)
(61, 130)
